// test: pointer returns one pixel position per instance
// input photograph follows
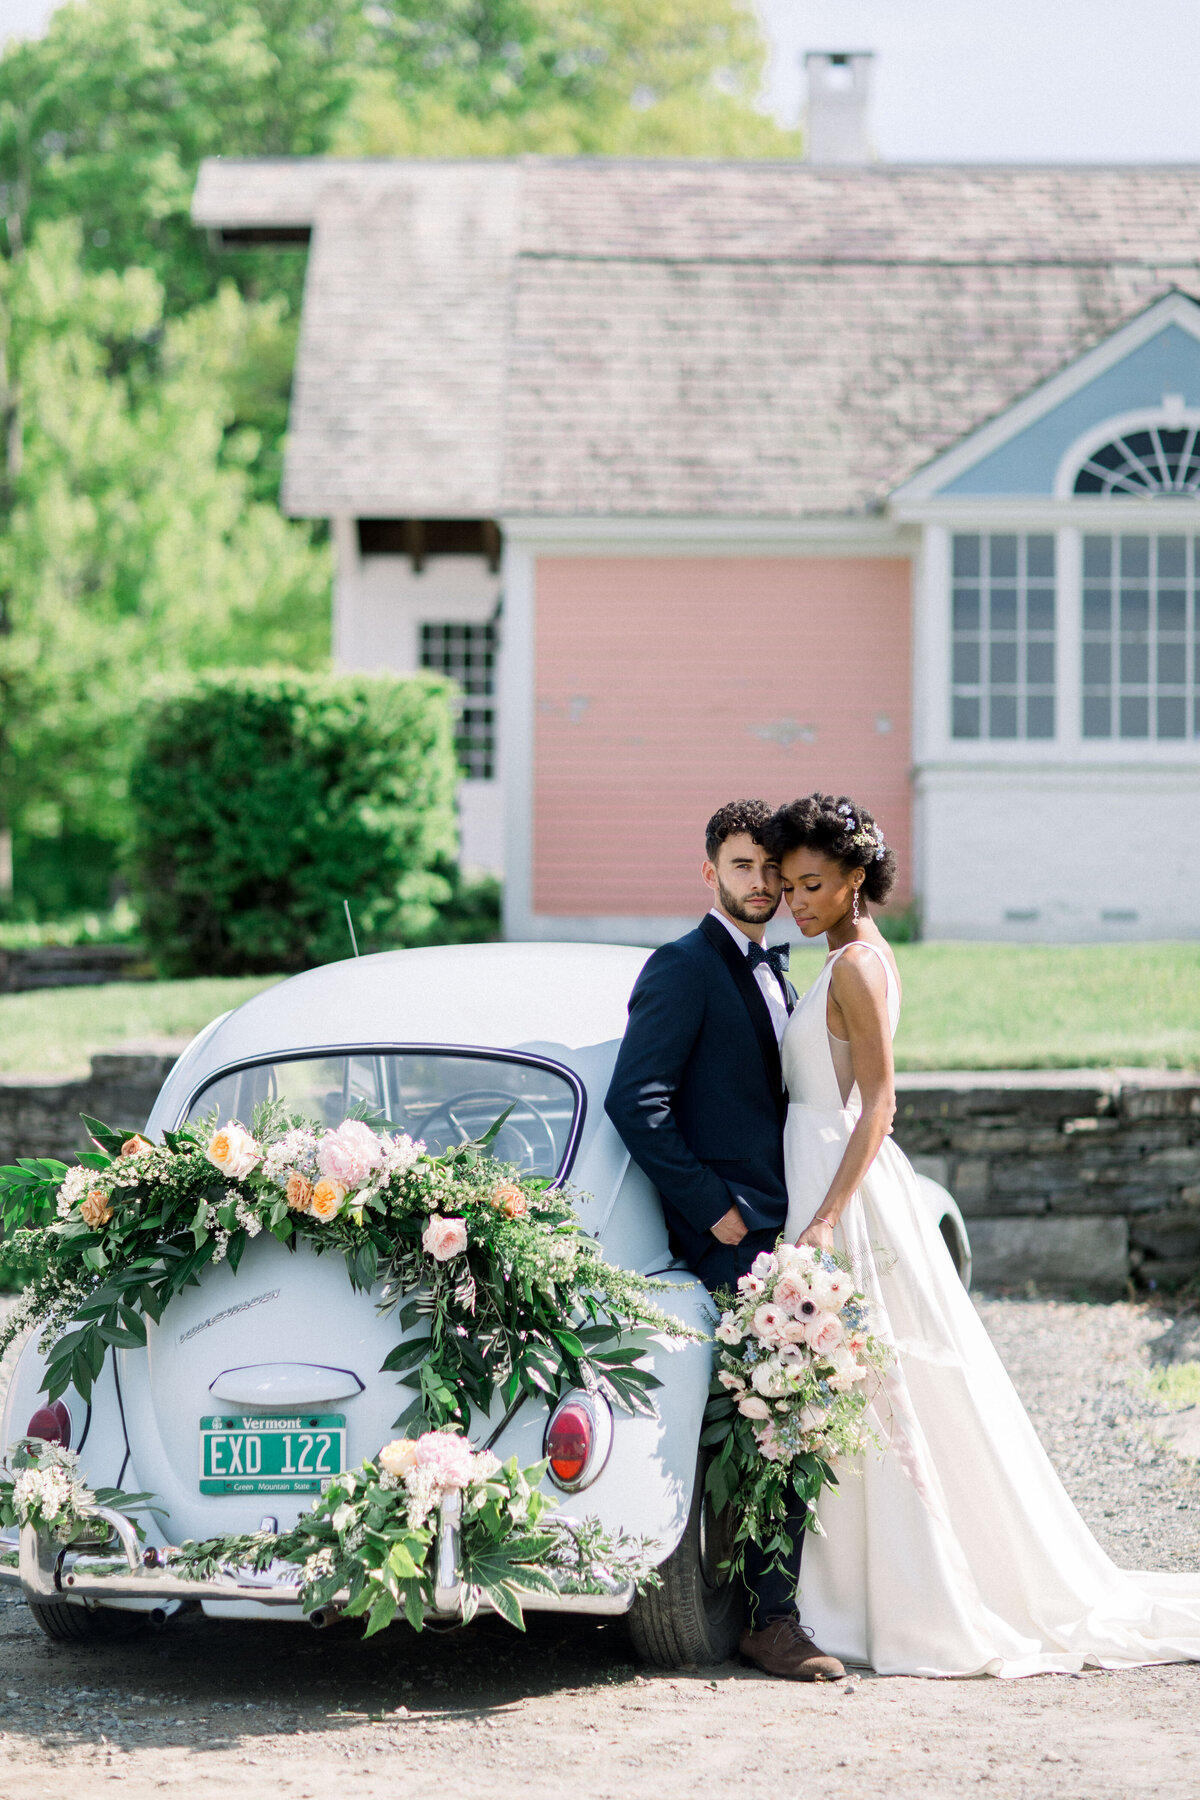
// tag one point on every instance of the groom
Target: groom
(698, 1098)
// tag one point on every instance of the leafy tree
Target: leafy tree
(495, 77)
(134, 546)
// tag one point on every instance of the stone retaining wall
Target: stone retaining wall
(1075, 1179)
(40, 1116)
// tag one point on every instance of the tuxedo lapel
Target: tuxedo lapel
(752, 995)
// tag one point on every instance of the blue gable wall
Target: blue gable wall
(1168, 364)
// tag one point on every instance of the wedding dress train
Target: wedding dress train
(955, 1549)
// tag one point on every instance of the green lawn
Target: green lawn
(1012, 1006)
(966, 1006)
(54, 1032)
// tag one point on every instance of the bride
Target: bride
(956, 1551)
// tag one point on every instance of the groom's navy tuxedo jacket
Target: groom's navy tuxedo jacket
(697, 1096)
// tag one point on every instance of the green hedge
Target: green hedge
(261, 802)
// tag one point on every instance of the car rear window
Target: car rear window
(443, 1097)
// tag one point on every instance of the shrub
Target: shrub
(261, 802)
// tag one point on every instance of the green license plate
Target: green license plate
(297, 1455)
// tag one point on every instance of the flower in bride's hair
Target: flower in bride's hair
(751, 1407)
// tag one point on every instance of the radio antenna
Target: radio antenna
(350, 928)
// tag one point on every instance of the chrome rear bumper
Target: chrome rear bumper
(44, 1570)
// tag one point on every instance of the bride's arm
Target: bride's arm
(859, 988)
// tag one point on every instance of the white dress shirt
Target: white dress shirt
(764, 974)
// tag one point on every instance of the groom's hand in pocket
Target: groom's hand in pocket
(731, 1228)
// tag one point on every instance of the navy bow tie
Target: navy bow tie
(777, 956)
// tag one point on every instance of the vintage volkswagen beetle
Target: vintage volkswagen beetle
(255, 1385)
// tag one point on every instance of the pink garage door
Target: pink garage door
(665, 686)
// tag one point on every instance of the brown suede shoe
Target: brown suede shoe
(785, 1648)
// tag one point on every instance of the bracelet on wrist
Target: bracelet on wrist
(822, 1219)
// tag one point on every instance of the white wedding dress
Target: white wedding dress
(954, 1550)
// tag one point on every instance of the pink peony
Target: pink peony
(754, 1408)
(795, 1332)
(448, 1456)
(444, 1238)
(350, 1153)
(825, 1334)
(769, 1322)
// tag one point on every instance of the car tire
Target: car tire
(695, 1617)
(73, 1624)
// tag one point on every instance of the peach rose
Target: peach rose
(299, 1192)
(135, 1145)
(510, 1200)
(398, 1457)
(444, 1238)
(326, 1200)
(96, 1209)
(233, 1151)
(824, 1334)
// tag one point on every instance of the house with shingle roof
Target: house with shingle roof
(710, 479)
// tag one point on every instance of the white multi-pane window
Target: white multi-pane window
(1003, 625)
(1141, 651)
(467, 653)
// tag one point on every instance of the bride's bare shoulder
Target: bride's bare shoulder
(860, 968)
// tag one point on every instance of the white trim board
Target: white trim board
(1172, 309)
(622, 536)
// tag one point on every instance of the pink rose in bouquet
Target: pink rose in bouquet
(824, 1334)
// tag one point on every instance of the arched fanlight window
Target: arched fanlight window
(1154, 459)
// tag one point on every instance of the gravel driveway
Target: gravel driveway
(241, 1710)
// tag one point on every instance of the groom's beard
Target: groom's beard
(753, 911)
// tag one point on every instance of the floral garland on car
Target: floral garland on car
(795, 1373)
(40, 1485)
(371, 1536)
(515, 1297)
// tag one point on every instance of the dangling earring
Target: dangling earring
(854, 909)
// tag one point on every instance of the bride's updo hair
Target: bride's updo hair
(840, 829)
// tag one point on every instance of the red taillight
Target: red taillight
(52, 1424)
(569, 1442)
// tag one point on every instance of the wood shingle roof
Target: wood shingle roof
(544, 336)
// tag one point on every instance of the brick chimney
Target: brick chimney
(839, 95)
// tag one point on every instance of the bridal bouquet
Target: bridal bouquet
(796, 1366)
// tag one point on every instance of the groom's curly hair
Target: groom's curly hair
(750, 816)
(838, 828)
